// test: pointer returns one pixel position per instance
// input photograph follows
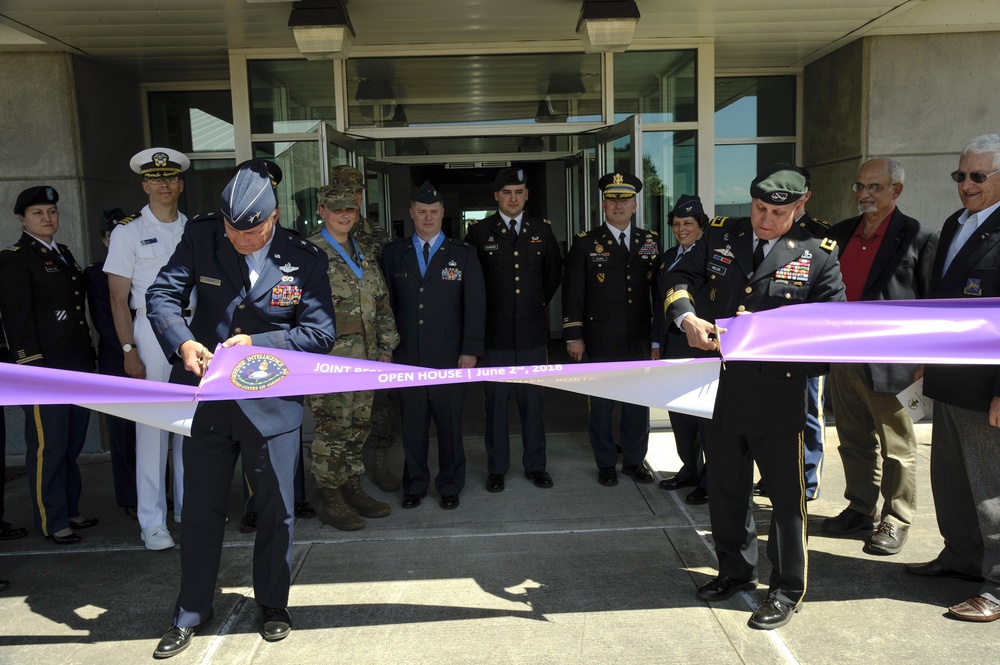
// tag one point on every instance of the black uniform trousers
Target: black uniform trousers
(689, 437)
(443, 404)
(121, 433)
(250, 503)
(633, 433)
(529, 404)
(209, 461)
(3, 458)
(54, 435)
(730, 486)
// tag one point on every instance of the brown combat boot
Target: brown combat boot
(337, 513)
(381, 474)
(361, 502)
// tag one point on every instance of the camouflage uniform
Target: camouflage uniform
(365, 330)
(375, 238)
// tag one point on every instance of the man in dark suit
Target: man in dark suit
(43, 305)
(750, 265)
(7, 530)
(607, 316)
(256, 284)
(521, 265)
(965, 467)
(884, 255)
(438, 297)
(111, 361)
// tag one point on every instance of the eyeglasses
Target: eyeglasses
(874, 188)
(169, 179)
(977, 177)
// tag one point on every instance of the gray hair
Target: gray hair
(894, 167)
(987, 144)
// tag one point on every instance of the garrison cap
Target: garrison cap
(159, 162)
(780, 184)
(110, 219)
(619, 185)
(249, 199)
(345, 175)
(509, 176)
(686, 206)
(426, 193)
(35, 196)
(337, 197)
(273, 170)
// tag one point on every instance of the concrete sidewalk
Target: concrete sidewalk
(579, 573)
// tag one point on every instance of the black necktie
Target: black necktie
(621, 239)
(427, 253)
(244, 271)
(758, 254)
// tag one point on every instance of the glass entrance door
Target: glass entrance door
(619, 148)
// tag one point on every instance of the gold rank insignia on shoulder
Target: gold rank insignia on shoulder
(581, 234)
(130, 218)
(11, 248)
(828, 244)
(719, 221)
(545, 221)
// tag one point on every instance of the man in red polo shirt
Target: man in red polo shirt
(884, 255)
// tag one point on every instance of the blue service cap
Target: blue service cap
(426, 193)
(249, 199)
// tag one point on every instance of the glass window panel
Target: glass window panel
(300, 179)
(477, 89)
(735, 168)
(754, 106)
(475, 145)
(660, 86)
(290, 96)
(203, 185)
(669, 169)
(192, 121)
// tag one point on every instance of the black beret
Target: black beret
(619, 185)
(780, 184)
(35, 196)
(426, 193)
(686, 206)
(272, 169)
(508, 176)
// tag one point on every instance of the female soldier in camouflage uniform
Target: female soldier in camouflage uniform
(365, 330)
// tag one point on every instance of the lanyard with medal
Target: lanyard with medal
(355, 268)
(417, 244)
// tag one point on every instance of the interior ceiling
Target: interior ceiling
(188, 40)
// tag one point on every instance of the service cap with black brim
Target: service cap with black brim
(159, 162)
(619, 185)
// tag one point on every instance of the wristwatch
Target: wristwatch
(128, 347)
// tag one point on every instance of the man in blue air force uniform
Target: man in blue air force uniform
(258, 284)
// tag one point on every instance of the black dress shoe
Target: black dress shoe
(494, 482)
(84, 524)
(759, 489)
(607, 476)
(304, 511)
(698, 497)
(674, 483)
(411, 500)
(276, 623)
(936, 569)
(65, 540)
(4, 584)
(771, 614)
(173, 642)
(449, 501)
(639, 473)
(540, 478)
(723, 587)
(249, 523)
(10, 532)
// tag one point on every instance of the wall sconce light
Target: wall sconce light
(322, 29)
(607, 26)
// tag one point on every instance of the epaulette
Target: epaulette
(131, 218)
(545, 221)
(718, 221)
(203, 217)
(828, 244)
(10, 248)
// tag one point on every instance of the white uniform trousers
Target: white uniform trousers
(152, 444)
